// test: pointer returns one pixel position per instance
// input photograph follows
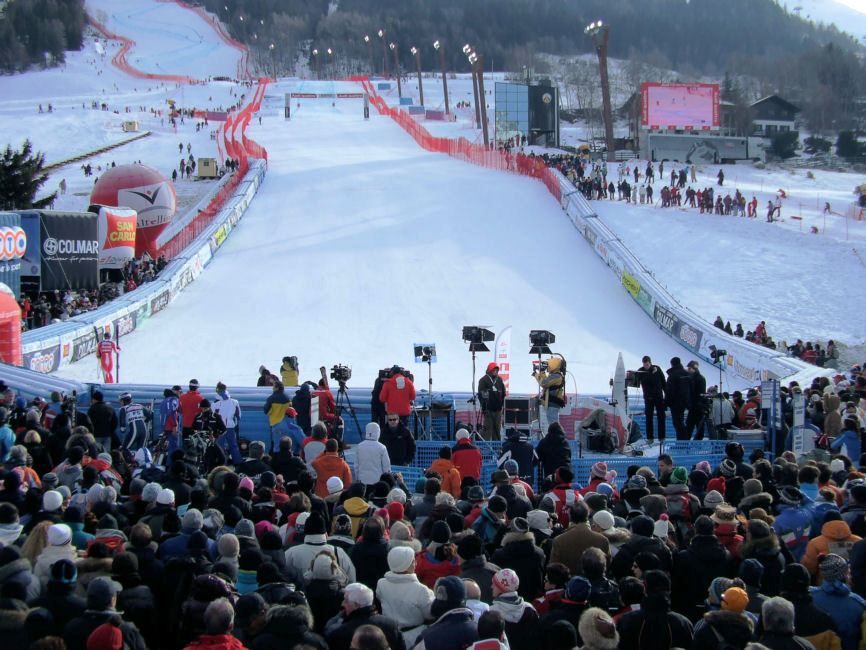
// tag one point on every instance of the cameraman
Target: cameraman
(289, 371)
(698, 407)
(652, 381)
(552, 384)
(398, 393)
(491, 393)
(722, 413)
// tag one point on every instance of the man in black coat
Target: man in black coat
(358, 610)
(101, 602)
(652, 381)
(678, 394)
(491, 392)
(553, 450)
(398, 440)
(696, 567)
(654, 626)
(698, 405)
(104, 419)
(518, 448)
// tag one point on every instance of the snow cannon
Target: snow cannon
(145, 190)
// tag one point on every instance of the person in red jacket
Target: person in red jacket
(189, 406)
(398, 393)
(466, 456)
(327, 405)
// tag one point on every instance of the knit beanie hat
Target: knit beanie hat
(399, 531)
(192, 520)
(315, 524)
(643, 526)
(728, 468)
(475, 494)
(228, 546)
(796, 579)
(343, 525)
(59, 535)
(560, 634)
(441, 533)
(578, 589)
(395, 511)
(51, 501)
(150, 492)
(717, 484)
(735, 599)
(497, 504)
(245, 528)
(594, 623)
(833, 567)
(599, 470)
(165, 497)
(449, 593)
(64, 571)
(790, 495)
(334, 485)
(679, 476)
(511, 467)
(713, 499)
(661, 528)
(705, 467)
(396, 495)
(247, 484)
(105, 637)
(751, 571)
(400, 558)
(603, 519)
(752, 487)
(717, 587)
(506, 580)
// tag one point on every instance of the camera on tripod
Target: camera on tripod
(717, 354)
(341, 374)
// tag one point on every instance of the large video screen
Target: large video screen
(684, 107)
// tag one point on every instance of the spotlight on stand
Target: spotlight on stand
(540, 341)
(717, 354)
(475, 336)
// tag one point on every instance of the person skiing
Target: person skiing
(133, 423)
(106, 351)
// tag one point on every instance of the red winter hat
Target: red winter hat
(105, 637)
(491, 367)
(395, 511)
(717, 484)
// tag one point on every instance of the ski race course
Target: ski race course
(359, 244)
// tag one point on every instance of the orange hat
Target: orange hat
(735, 600)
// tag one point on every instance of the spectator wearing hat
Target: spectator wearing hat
(192, 522)
(520, 554)
(135, 600)
(762, 545)
(512, 468)
(101, 608)
(60, 597)
(490, 524)
(563, 495)
(777, 619)
(16, 573)
(371, 457)
(754, 496)
(570, 545)
(605, 523)
(521, 620)
(793, 520)
(835, 597)
(599, 474)
(284, 462)
(402, 596)
(254, 465)
(162, 509)
(553, 450)
(491, 393)
(176, 481)
(141, 545)
(643, 540)
(751, 571)
(634, 489)
(569, 608)
(466, 456)
(474, 565)
(811, 622)
(696, 567)
(654, 626)
(835, 537)
(597, 630)
(357, 610)
(97, 563)
(398, 440)
(517, 447)
(59, 547)
(370, 553)
(730, 624)
(329, 465)
(299, 558)
(682, 506)
(439, 558)
(725, 527)
(445, 468)
(287, 626)
(323, 587)
(454, 627)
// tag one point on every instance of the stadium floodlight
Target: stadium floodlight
(473, 58)
(467, 49)
(366, 38)
(438, 47)
(381, 33)
(414, 50)
(392, 46)
(329, 51)
(435, 45)
(315, 52)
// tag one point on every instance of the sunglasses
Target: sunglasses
(393, 419)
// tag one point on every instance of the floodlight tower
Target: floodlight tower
(438, 47)
(600, 34)
(395, 48)
(417, 54)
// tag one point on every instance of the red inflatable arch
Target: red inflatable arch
(10, 328)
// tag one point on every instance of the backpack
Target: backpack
(680, 514)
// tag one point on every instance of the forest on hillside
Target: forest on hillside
(39, 32)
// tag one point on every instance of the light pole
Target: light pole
(316, 61)
(600, 34)
(477, 62)
(438, 47)
(396, 49)
(467, 50)
(370, 52)
(417, 54)
(273, 60)
(331, 61)
(384, 52)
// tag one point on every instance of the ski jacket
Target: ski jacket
(228, 409)
(371, 459)
(467, 459)
(397, 395)
(275, 407)
(189, 407)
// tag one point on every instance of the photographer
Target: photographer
(698, 407)
(722, 412)
(289, 371)
(491, 393)
(552, 384)
(398, 393)
(651, 379)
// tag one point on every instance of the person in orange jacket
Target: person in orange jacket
(450, 475)
(329, 464)
(835, 537)
(189, 406)
(398, 393)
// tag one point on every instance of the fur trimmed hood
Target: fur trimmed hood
(518, 537)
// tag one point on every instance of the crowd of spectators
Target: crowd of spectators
(807, 351)
(42, 308)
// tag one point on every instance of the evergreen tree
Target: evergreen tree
(21, 176)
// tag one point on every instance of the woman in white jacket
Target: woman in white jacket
(371, 457)
(59, 537)
(403, 598)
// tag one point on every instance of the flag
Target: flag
(502, 358)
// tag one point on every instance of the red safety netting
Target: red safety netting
(237, 147)
(463, 149)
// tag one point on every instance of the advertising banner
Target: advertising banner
(503, 355)
(13, 246)
(44, 359)
(665, 318)
(82, 346)
(680, 106)
(116, 228)
(31, 263)
(70, 250)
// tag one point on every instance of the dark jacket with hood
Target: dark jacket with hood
(400, 444)
(482, 572)
(721, 627)
(520, 553)
(61, 600)
(678, 390)
(456, 629)
(766, 550)
(292, 628)
(654, 626)
(340, 637)
(694, 569)
(621, 565)
(76, 632)
(553, 451)
(518, 448)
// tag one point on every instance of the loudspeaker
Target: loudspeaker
(517, 411)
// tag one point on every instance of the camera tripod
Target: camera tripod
(343, 401)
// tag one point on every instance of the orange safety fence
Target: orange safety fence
(239, 148)
(462, 148)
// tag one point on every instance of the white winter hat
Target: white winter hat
(372, 431)
(539, 520)
(59, 535)
(396, 495)
(837, 465)
(462, 433)
(150, 492)
(334, 484)
(52, 500)
(165, 497)
(603, 519)
(400, 558)
(661, 528)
